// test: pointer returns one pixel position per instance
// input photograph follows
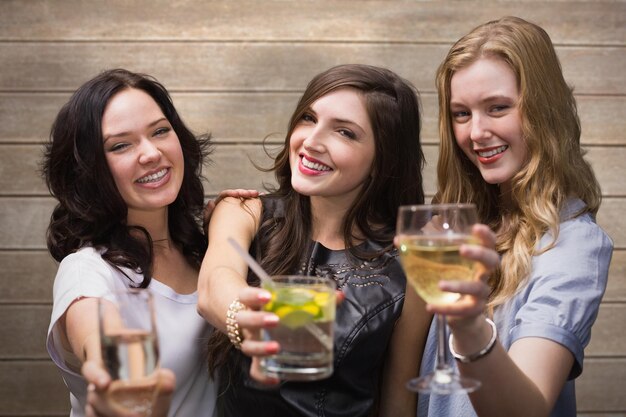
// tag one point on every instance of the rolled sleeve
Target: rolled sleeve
(563, 295)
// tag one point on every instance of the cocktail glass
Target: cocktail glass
(306, 309)
(130, 353)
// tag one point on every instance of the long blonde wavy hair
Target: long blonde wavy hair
(555, 169)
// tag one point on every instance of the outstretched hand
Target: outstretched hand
(99, 404)
(251, 321)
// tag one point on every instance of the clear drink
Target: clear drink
(429, 259)
(129, 348)
(306, 309)
(129, 354)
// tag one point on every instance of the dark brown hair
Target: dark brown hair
(91, 211)
(393, 107)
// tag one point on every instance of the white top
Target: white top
(182, 333)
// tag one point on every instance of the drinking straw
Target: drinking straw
(256, 268)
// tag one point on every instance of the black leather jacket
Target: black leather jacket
(374, 295)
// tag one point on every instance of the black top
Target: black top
(374, 295)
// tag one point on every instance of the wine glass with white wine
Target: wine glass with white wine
(130, 353)
(429, 238)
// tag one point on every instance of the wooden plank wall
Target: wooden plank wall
(236, 68)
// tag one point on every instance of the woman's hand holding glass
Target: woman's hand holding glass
(441, 254)
(251, 321)
(474, 294)
(98, 397)
(471, 335)
(128, 381)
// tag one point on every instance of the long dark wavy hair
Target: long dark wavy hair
(91, 210)
(392, 105)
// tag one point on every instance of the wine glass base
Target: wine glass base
(443, 383)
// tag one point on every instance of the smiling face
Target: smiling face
(142, 151)
(486, 119)
(332, 147)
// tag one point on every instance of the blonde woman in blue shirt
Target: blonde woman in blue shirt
(510, 143)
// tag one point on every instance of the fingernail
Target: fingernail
(271, 348)
(264, 296)
(443, 285)
(271, 320)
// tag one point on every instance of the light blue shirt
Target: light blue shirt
(559, 302)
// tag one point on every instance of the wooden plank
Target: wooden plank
(612, 220)
(28, 117)
(26, 277)
(236, 117)
(236, 66)
(231, 166)
(25, 328)
(32, 388)
(599, 119)
(605, 340)
(19, 170)
(23, 332)
(237, 162)
(606, 162)
(19, 167)
(616, 288)
(600, 415)
(24, 220)
(600, 389)
(24, 321)
(251, 117)
(599, 22)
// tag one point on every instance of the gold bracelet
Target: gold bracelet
(483, 352)
(232, 326)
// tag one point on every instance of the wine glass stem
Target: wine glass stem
(442, 350)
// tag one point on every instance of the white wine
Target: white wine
(131, 358)
(426, 260)
(429, 237)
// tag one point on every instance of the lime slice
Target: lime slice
(322, 299)
(311, 309)
(296, 318)
(282, 311)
